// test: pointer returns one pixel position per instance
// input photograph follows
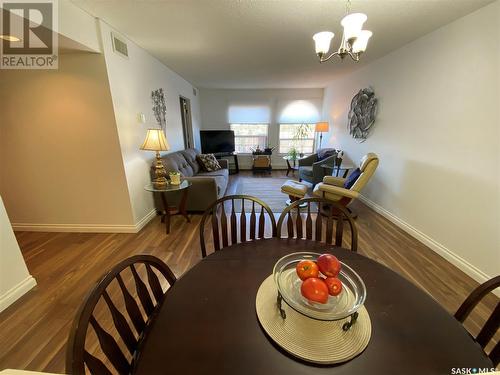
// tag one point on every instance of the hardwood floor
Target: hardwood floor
(33, 331)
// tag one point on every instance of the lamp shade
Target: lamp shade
(322, 41)
(322, 126)
(155, 141)
(361, 41)
(353, 23)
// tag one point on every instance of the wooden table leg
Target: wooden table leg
(288, 167)
(167, 212)
(182, 206)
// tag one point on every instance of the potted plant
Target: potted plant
(292, 153)
(301, 133)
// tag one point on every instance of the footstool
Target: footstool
(295, 191)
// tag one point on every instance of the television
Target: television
(217, 141)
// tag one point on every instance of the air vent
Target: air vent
(119, 45)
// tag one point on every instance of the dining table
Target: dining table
(208, 322)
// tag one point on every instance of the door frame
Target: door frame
(187, 121)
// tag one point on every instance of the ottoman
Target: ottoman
(295, 190)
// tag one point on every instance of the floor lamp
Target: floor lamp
(321, 127)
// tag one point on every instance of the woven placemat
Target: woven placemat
(322, 342)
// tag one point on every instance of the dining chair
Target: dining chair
(225, 230)
(103, 309)
(492, 324)
(324, 212)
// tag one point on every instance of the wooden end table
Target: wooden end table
(170, 210)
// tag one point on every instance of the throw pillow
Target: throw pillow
(208, 162)
(352, 178)
(324, 153)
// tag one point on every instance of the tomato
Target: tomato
(334, 286)
(329, 265)
(306, 269)
(315, 289)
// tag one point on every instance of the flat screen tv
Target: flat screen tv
(217, 141)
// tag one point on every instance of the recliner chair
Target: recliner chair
(332, 188)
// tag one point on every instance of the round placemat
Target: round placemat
(322, 342)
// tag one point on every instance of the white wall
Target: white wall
(215, 103)
(437, 135)
(15, 280)
(61, 167)
(131, 81)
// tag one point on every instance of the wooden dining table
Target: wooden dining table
(208, 323)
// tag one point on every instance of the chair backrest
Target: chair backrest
(367, 166)
(492, 324)
(325, 213)
(130, 328)
(225, 231)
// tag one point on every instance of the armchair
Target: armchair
(310, 168)
(332, 188)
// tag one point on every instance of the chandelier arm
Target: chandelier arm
(354, 56)
(324, 59)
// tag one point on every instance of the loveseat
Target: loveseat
(206, 186)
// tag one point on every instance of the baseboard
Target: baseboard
(85, 228)
(16, 292)
(146, 219)
(443, 251)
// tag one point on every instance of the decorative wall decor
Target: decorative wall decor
(362, 113)
(159, 107)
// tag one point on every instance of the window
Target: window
(248, 136)
(299, 136)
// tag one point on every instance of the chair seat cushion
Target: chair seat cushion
(352, 178)
(294, 188)
(306, 170)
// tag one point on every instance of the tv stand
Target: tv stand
(220, 155)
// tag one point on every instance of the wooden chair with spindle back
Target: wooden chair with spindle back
(492, 324)
(78, 358)
(327, 212)
(229, 231)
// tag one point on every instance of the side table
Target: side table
(292, 167)
(170, 210)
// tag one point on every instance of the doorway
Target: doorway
(187, 126)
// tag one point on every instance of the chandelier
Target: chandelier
(354, 39)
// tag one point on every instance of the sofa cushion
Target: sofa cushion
(176, 162)
(208, 162)
(220, 172)
(190, 155)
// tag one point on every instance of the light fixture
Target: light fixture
(321, 127)
(354, 38)
(10, 38)
(156, 141)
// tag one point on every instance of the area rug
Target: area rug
(267, 189)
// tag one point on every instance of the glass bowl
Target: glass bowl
(351, 298)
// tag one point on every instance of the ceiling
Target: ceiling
(266, 43)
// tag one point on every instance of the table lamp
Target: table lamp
(321, 127)
(156, 141)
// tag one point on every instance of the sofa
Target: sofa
(206, 186)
